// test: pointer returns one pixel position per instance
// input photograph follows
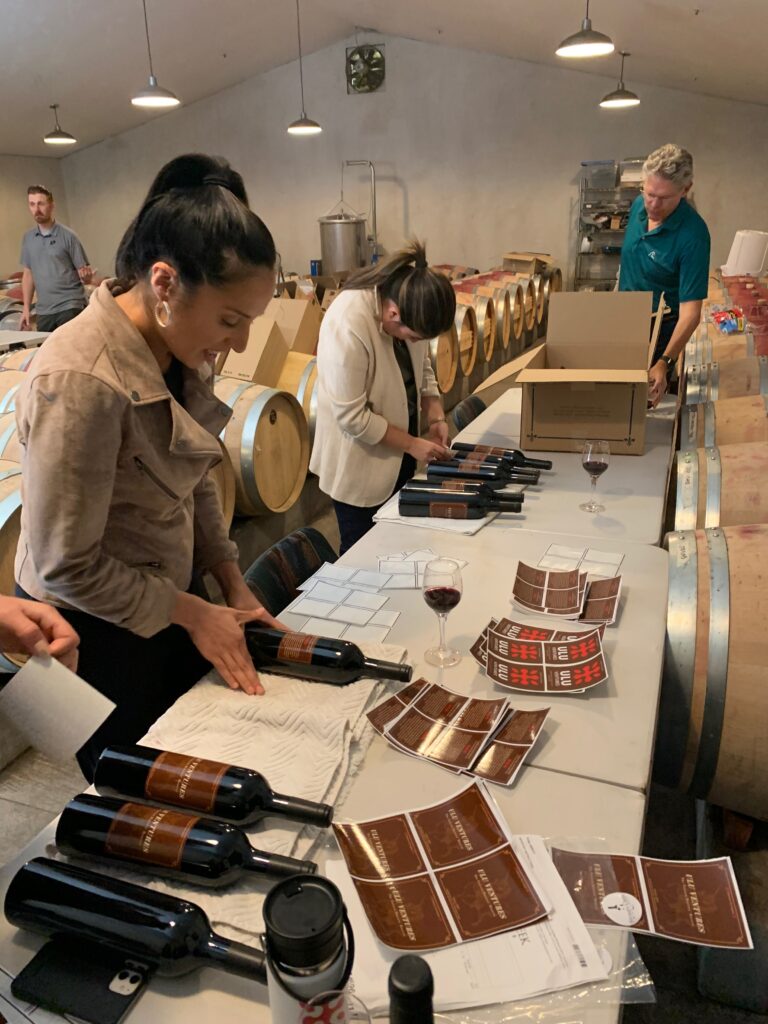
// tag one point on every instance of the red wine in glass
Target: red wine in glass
(442, 589)
(595, 456)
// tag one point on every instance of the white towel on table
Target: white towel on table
(307, 739)
(389, 514)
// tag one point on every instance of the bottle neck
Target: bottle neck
(300, 810)
(236, 958)
(275, 866)
(401, 673)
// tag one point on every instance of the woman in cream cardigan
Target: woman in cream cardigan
(376, 386)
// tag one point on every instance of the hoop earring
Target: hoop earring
(166, 309)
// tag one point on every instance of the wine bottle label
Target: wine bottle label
(184, 780)
(150, 834)
(447, 510)
(453, 485)
(474, 457)
(297, 647)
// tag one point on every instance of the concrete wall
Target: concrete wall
(475, 153)
(16, 173)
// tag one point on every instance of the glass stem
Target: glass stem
(441, 619)
(594, 487)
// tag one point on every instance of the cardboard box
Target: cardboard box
(264, 357)
(526, 262)
(299, 322)
(590, 378)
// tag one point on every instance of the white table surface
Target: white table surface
(605, 734)
(29, 339)
(633, 489)
(541, 802)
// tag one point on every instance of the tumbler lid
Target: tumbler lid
(304, 919)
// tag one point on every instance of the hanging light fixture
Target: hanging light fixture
(621, 97)
(303, 125)
(154, 95)
(58, 137)
(586, 42)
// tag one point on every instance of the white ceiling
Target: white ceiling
(90, 55)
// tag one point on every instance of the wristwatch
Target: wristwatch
(670, 363)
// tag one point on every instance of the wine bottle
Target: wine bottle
(223, 791)
(447, 498)
(480, 459)
(171, 935)
(444, 510)
(494, 476)
(166, 842)
(411, 988)
(319, 658)
(426, 486)
(513, 455)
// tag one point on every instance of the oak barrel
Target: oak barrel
(735, 378)
(10, 449)
(225, 482)
(721, 486)
(10, 522)
(704, 348)
(299, 378)
(9, 386)
(713, 717)
(19, 359)
(444, 355)
(732, 421)
(268, 443)
(466, 329)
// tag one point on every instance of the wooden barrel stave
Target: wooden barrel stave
(731, 421)
(735, 378)
(721, 486)
(466, 329)
(299, 378)
(713, 716)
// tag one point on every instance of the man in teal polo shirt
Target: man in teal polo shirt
(666, 249)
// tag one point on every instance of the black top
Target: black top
(174, 380)
(405, 363)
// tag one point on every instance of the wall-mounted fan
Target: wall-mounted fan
(365, 67)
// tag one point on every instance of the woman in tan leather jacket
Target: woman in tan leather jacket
(119, 432)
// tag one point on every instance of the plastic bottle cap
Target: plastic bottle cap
(304, 919)
(411, 976)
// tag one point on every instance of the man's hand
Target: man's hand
(86, 273)
(31, 627)
(25, 324)
(657, 382)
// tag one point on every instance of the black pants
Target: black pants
(143, 676)
(356, 520)
(50, 321)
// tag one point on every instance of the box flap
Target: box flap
(604, 330)
(544, 376)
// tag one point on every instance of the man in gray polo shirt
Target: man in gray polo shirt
(55, 265)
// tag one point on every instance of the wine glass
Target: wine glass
(442, 589)
(595, 456)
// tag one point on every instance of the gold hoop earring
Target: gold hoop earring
(166, 309)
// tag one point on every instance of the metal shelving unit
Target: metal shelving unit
(597, 268)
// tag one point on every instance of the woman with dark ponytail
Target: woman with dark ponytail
(119, 431)
(377, 387)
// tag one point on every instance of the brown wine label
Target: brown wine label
(297, 647)
(150, 834)
(475, 456)
(447, 510)
(453, 485)
(181, 779)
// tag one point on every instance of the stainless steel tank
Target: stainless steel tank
(343, 242)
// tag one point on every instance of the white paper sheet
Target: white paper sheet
(55, 709)
(346, 613)
(389, 513)
(324, 627)
(366, 634)
(373, 602)
(553, 954)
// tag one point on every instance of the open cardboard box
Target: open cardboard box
(264, 356)
(526, 262)
(299, 322)
(590, 378)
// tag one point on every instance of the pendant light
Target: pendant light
(153, 96)
(303, 125)
(586, 42)
(58, 137)
(620, 97)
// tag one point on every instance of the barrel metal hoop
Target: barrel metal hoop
(248, 445)
(714, 487)
(763, 363)
(8, 401)
(717, 665)
(696, 385)
(301, 391)
(679, 655)
(6, 436)
(231, 401)
(687, 500)
(714, 382)
(708, 348)
(709, 425)
(6, 473)
(306, 373)
(689, 418)
(8, 506)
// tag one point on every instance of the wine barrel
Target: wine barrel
(299, 378)
(10, 449)
(8, 304)
(517, 309)
(737, 378)
(713, 717)
(499, 295)
(19, 359)
(721, 486)
(9, 386)
(466, 329)
(444, 355)
(702, 348)
(485, 311)
(268, 443)
(223, 476)
(10, 522)
(11, 320)
(732, 421)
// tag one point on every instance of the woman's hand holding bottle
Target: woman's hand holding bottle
(425, 449)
